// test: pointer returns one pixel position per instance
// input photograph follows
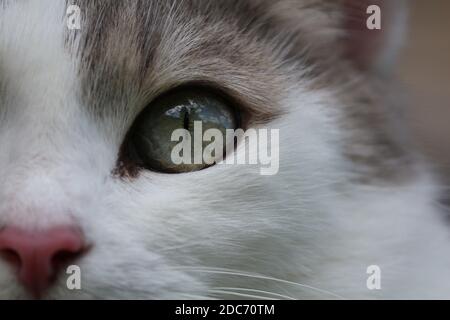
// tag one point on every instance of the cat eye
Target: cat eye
(181, 116)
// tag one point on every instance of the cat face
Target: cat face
(69, 98)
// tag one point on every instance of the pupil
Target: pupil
(186, 119)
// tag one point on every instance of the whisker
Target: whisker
(256, 276)
(196, 296)
(241, 294)
(256, 291)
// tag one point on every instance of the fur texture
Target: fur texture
(350, 192)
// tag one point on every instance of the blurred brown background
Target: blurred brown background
(425, 69)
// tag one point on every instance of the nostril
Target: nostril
(11, 257)
(63, 259)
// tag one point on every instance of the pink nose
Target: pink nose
(39, 255)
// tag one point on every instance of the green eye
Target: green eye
(151, 135)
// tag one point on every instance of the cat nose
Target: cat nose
(38, 256)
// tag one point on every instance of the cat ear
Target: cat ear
(373, 32)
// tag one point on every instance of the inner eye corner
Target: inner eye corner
(128, 165)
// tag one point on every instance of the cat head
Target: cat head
(75, 192)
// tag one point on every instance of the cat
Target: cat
(353, 212)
